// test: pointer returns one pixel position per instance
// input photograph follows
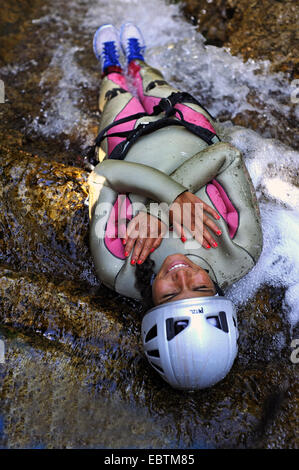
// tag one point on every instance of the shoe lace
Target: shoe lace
(110, 51)
(134, 46)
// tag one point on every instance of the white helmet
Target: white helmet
(192, 343)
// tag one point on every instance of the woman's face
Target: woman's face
(179, 278)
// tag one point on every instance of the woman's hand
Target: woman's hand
(191, 212)
(144, 233)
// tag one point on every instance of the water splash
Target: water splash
(274, 171)
(222, 82)
(64, 114)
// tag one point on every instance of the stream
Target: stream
(73, 374)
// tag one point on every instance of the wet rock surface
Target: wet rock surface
(260, 31)
(264, 29)
(95, 355)
(44, 221)
(89, 334)
(73, 355)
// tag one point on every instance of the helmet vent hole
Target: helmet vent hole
(214, 321)
(158, 368)
(154, 353)
(173, 328)
(180, 325)
(223, 321)
(152, 333)
(219, 321)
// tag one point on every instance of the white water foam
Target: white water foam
(178, 50)
(274, 172)
(174, 46)
(64, 114)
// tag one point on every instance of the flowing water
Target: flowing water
(68, 83)
(222, 82)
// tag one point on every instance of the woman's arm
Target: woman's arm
(225, 163)
(195, 173)
(136, 178)
(205, 165)
(114, 177)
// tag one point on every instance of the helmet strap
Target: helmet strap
(219, 291)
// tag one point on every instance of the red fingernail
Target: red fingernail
(219, 232)
(126, 253)
(183, 239)
(208, 246)
(214, 244)
(218, 217)
(133, 261)
(152, 249)
(139, 261)
(124, 242)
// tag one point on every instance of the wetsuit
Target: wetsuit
(159, 167)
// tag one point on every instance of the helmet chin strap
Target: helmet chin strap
(219, 291)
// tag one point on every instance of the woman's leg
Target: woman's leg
(151, 87)
(116, 102)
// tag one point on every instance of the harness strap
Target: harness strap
(101, 135)
(121, 149)
(181, 97)
(166, 106)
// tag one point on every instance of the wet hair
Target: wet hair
(144, 274)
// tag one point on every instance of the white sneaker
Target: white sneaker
(106, 46)
(132, 42)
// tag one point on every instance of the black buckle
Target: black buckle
(165, 105)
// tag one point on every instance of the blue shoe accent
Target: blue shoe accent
(134, 50)
(106, 46)
(132, 42)
(110, 54)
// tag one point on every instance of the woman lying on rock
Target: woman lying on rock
(174, 219)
